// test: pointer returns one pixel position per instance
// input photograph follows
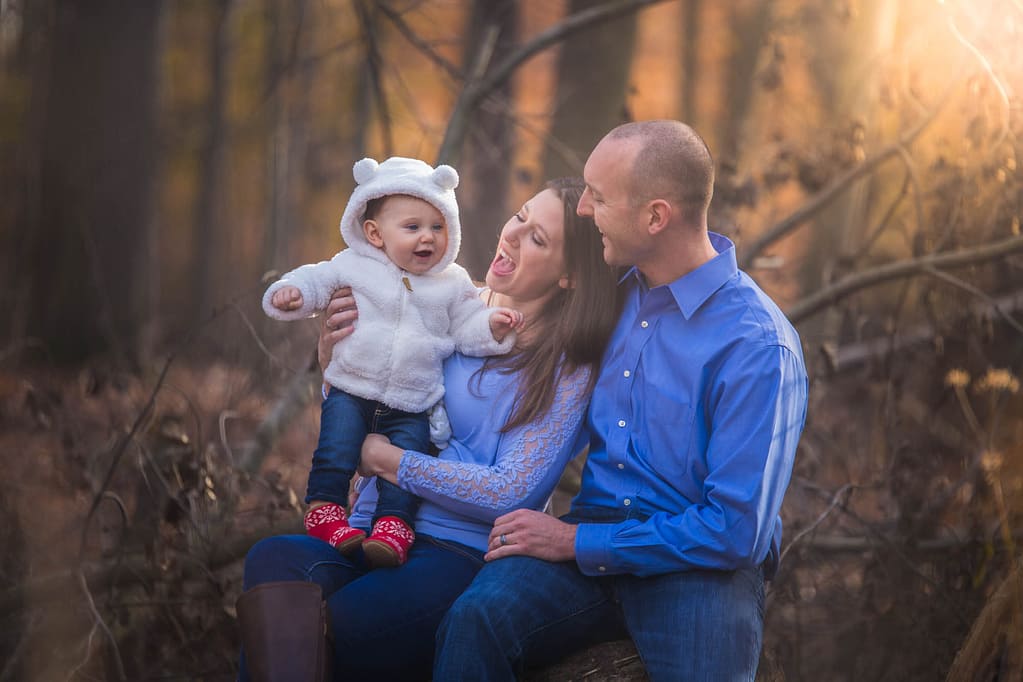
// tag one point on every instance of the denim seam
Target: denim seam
(546, 626)
(312, 567)
(452, 547)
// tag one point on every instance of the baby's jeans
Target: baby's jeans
(345, 420)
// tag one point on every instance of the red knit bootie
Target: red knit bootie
(389, 543)
(329, 523)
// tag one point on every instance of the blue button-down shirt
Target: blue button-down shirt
(693, 427)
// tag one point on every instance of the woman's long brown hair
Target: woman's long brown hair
(576, 323)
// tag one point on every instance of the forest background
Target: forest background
(160, 161)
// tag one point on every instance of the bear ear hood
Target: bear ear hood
(398, 175)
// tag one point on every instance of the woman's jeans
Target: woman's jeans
(384, 621)
(345, 420)
(522, 612)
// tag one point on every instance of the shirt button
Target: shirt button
(621, 466)
(621, 422)
(644, 324)
(601, 568)
(627, 502)
(627, 373)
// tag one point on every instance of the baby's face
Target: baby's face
(413, 232)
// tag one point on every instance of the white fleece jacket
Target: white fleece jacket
(403, 334)
(408, 324)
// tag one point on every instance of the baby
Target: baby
(416, 307)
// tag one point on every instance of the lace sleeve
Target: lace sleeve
(529, 462)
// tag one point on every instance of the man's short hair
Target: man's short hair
(672, 162)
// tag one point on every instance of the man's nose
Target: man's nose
(583, 207)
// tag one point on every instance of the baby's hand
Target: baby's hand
(504, 320)
(287, 298)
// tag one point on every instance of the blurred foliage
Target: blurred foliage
(850, 135)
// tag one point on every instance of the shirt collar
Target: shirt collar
(691, 290)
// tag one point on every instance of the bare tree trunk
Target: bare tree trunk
(27, 70)
(210, 250)
(593, 73)
(276, 148)
(486, 169)
(287, 125)
(841, 71)
(84, 281)
(372, 76)
(750, 26)
(690, 61)
(366, 87)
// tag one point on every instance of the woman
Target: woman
(516, 421)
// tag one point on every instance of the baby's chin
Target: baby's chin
(420, 268)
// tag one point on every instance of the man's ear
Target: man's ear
(658, 215)
(567, 282)
(372, 232)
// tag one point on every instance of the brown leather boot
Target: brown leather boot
(284, 632)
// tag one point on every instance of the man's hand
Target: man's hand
(531, 533)
(287, 298)
(338, 323)
(503, 321)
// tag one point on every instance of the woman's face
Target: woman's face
(530, 260)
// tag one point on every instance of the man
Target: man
(693, 430)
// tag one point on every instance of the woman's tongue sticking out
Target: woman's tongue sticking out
(502, 265)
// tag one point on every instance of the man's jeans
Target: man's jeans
(521, 612)
(344, 422)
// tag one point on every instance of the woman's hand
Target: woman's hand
(354, 488)
(338, 323)
(380, 458)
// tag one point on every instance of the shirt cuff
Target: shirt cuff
(593, 548)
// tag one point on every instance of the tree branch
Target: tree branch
(468, 99)
(906, 268)
(477, 89)
(417, 42)
(560, 31)
(820, 200)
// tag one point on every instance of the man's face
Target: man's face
(606, 199)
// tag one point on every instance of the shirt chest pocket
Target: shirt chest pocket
(665, 435)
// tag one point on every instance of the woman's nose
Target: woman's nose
(511, 234)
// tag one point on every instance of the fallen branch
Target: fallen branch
(137, 569)
(299, 392)
(986, 654)
(855, 354)
(115, 651)
(119, 450)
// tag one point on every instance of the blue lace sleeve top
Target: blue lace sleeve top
(484, 473)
